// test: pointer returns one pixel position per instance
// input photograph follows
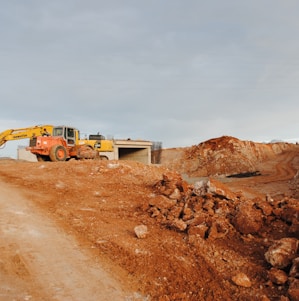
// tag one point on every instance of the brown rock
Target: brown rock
(293, 291)
(176, 194)
(219, 228)
(264, 206)
(282, 252)
(154, 212)
(265, 298)
(294, 228)
(174, 212)
(294, 271)
(200, 187)
(170, 182)
(241, 279)
(277, 276)
(217, 188)
(209, 206)
(141, 231)
(188, 214)
(162, 202)
(199, 230)
(248, 220)
(179, 224)
(290, 211)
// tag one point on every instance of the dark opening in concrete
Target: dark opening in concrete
(133, 154)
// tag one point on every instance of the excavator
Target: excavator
(59, 143)
(23, 133)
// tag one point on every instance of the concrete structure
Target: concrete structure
(23, 154)
(132, 150)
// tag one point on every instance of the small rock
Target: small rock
(294, 271)
(265, 298)
(179, 224)
(200, 188)
(293, 291)
(141, 231)
(199, 230)
(277, 276)
(162, 202)
(176, 195)
(113, 165)
(241, 279)
(188, 214)
(282, 252)
(284, 298)
(264, 206)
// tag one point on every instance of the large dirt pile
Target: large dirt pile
(221, 156)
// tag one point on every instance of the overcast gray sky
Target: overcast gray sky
(179, 72)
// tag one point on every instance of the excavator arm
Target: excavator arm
(23, 133)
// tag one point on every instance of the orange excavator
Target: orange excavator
(59, 143)
(65, 144)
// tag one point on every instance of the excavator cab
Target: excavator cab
(67, 133)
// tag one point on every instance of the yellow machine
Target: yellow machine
(23, 133)
(59, 143)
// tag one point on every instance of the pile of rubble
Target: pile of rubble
(208, 210)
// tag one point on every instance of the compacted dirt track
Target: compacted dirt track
(39, 261)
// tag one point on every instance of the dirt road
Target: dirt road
(38, 261)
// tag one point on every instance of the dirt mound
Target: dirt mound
(222, 156)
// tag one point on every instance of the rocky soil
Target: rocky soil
(215, 221)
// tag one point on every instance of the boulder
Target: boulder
(248, 219)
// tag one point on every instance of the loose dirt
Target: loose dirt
(67, 228)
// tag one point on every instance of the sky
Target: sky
(178, 72)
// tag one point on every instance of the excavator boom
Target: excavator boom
(23, 133)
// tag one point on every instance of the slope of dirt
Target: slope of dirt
(222, 156)
(204, 241)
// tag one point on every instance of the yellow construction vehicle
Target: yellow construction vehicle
(59, 143)
(23, 133)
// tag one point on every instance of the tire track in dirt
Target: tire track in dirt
(275, 177)
(38, 261)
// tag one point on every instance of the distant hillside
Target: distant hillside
(222, 156)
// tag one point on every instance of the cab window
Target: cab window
(70, 136)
